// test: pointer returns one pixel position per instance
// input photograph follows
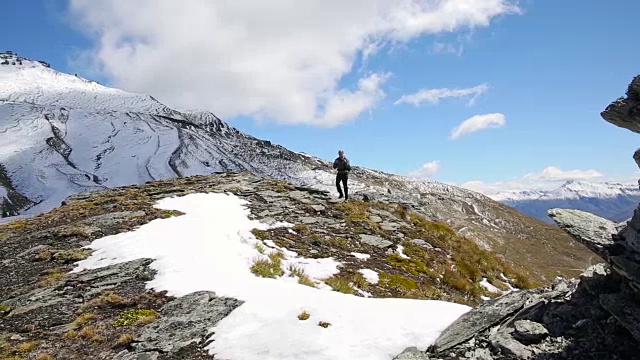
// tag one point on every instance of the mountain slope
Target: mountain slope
(62, 135)
(613, 201)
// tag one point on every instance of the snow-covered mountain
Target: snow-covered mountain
(62, 134)
(611, 200)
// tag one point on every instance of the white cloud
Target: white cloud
(346, 105)
(434, 96)
(426, 170)
(553, 173)
(477, 123)
(278, 60)
(447, 48)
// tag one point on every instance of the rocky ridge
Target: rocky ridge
(65, 135)
(595, 316)
(47, 310)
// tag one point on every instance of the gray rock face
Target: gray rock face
(624, 111)
(631, 233)
(591, 230)
(503, 341)
(493, 312)
(185, 322)
(375, 241)
(529, 332)
(412, 353)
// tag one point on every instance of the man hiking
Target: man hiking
(342, 164)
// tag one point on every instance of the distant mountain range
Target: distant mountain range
(611, 200)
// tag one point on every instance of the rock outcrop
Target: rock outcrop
(595, 316)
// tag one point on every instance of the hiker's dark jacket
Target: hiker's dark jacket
(342, 165)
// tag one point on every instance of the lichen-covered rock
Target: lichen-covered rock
(591, 230)
(375, 241)
(185, 321)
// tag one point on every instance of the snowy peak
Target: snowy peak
(34, 82)
(611, 200)
(571, 189)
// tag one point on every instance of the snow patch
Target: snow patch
(487, 285)
(212, 248)
(370, 275)
(361, 256)
(400, 251)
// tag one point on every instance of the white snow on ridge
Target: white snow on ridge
(568, 190)
(217, 254)
(36, 84)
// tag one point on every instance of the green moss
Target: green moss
(170, 213)
(397, 282)
(401, 211)
(356, 214)
(270, 268)
(136, 316)
(69, 256)
(52, 277)
(4, 308)
(340, 284)
(303, 278)
(411, 265)
(497, 283)
(407, 287)
(316, 237)
(276, 257)
(324, 324)
(303, 315)
(261, 248)
(279, 185)
(360, 281)
(462, 284)
(339, 242)
(522, 281)
(260, 234)
(16, 224)
(471, 272)
(17, 352)
(302, 229)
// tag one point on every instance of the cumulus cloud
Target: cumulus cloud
(553, 173)
(477, 123)
(434, 96)
(277, 60)
(426, 170)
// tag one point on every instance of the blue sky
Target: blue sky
(550, 70)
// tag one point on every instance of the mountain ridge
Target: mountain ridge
(612, 200)
(54, 152)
